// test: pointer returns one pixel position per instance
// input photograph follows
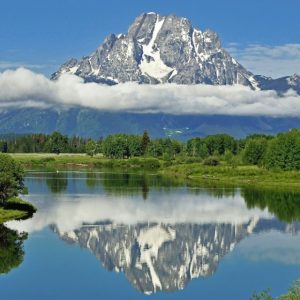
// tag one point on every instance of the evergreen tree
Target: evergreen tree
(145, 142)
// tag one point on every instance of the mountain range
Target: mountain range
(168, 49)
(156, 50)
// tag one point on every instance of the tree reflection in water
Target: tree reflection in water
(11, 249)
(57, 182)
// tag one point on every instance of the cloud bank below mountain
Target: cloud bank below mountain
(23, 88)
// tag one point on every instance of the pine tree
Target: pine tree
(145, 141)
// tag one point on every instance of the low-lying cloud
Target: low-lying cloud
(24, 88)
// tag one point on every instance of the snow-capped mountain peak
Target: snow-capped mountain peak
(168, 49)
(159, 49)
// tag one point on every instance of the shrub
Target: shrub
(18, 204)
(211, 161)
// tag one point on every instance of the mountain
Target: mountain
(281, 85)
(159, 49)
(162, 257)
(95, 124)
(168, 49)
(156, 50)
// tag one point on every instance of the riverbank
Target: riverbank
(77, 161)
(16, 209)
(239, 175)
(188, 169)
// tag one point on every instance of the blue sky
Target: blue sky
(263, 35)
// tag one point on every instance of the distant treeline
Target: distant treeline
(281, 151)
(42, 143)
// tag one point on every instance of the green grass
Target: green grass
(10, 214)
(16, 209)
(240, 175)
(75, 161)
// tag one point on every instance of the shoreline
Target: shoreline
(196, 172)
(16, 209)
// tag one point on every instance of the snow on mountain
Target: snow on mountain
(159, 49)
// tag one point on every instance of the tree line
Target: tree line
(42, 143)
(274, 152)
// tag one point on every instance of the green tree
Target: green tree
(91, 148)
(283, 152)
(155, 149)
(255, 150)
(293, 293)
(115, 146)
(264, 295)
(145, 141)
(197, 147)
(220, 143)
(135, 145)
(122, 146)
(11, 178)
(3, 147)
(57, 143)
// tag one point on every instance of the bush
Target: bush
(47, 160)
(191, 160)
(211, 161)
(147, 163)
(18, 204)
(151, 163)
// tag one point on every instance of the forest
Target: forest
(271, 152)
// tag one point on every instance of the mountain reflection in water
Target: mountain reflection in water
(165, 257)
(159, 232)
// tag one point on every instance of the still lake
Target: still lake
(135, 236)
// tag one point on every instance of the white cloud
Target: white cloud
(24, 88)
(14, 65)
(274, 61)
(69, 211)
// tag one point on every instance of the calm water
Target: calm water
(129, 236)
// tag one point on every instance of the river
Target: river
(106, 235)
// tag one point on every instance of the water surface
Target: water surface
(131, 236)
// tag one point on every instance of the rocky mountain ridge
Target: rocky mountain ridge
(168, 49)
